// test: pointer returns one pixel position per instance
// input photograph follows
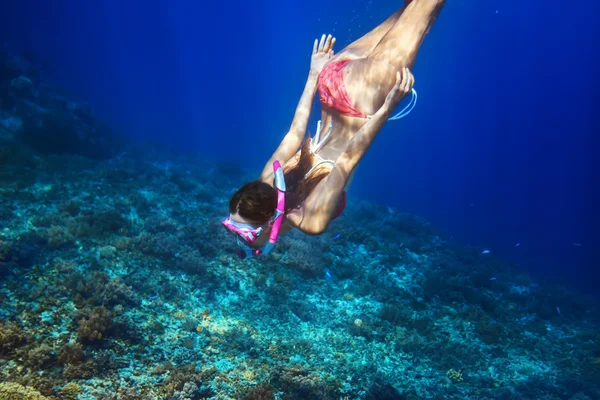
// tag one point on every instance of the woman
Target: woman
(359, 89)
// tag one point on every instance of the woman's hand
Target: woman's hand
(322, 52)
(404, 84)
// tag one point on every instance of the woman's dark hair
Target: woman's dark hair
(256, 201)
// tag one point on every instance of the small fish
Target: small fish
(486, 252)
(493, 278)
(328, 274)
(336, 236)
(523, 319)
(517, 245)
(558, 310)
(153, 297)
(577, 244)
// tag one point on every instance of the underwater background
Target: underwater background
(125, 127)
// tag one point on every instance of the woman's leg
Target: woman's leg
(362, 47)
(369, 80)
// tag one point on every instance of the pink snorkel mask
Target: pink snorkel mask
(247, 234)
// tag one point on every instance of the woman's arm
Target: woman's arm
(293, 139)
(322, 52)
(316, 211)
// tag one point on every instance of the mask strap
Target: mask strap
(280, 210)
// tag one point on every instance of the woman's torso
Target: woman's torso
(336, 131)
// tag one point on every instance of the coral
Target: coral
(115, 291)
(454, 376)
(188, 392)
(39, 355)
(124, 393)
(278, 293)
(30, 378)
(383, 391)
(71, 353)
(160, 223)
(71, 207)
(59, 236)
(107, 221)
(72, 131)
(161, 245)
(240, 341)
(98, 287)
(14, 391)
(12, 337)
(107, 252)
(192, 262)
(489, 331)
(79, 227)
(5, 249)
(79, 371)
(92, 327)
(122, 243)
(262, 391)
(186, 375)
(301, 384)
(178, 378)
(70, 391)
(303, 310)
(395, 314)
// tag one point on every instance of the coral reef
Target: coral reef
(44, 119)
(14, 391)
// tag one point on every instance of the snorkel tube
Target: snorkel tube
(279, 211)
